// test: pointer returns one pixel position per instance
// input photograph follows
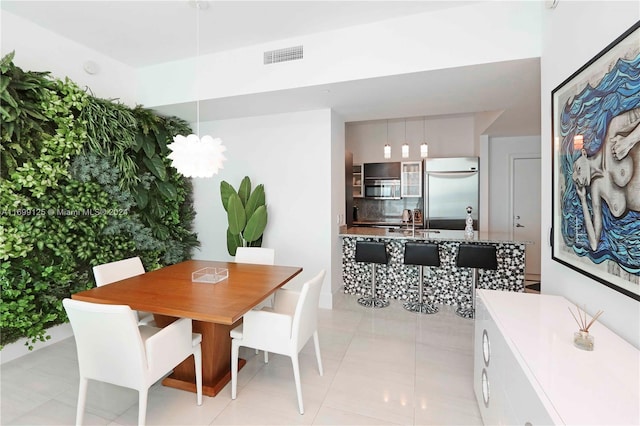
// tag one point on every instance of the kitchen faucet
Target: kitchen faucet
(413, 223)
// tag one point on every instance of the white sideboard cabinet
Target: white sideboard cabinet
(528, 372)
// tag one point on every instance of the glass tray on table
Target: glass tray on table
(210, 275)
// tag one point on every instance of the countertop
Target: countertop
(429, 234)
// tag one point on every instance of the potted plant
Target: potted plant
(246, 213)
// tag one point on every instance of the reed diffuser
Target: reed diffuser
(581, 338)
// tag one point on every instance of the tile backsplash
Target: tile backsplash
(385, 210)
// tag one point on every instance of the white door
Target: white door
(525, 209)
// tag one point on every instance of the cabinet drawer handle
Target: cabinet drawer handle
(486, 348)
(485, 388)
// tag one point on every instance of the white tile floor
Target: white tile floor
(381, 367)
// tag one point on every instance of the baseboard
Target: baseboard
(18, 349)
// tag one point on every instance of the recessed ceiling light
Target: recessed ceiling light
(91, 67)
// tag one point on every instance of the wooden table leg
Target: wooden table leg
(216, 358)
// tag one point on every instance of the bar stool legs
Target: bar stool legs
(420, 306)
(373, 252)
(373, 301)
(421, 254)
(475, 256)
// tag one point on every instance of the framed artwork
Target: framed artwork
(596, 167)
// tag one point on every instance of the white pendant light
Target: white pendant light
(191, 155)
(387, 147)
(424, 148)
(405, 145)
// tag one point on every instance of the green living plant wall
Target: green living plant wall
(83, 181)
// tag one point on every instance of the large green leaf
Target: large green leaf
(139, 141)
(236, 215)
(167, 189)
(226, 190)
(156, 166)
(256, 224)
(233, 242)
(161, 139)
(244, 190)
(5, 96)
(35, 114)
(4, 82)
(141, 196)
(7, 61)
(149, 146)
(256, 200)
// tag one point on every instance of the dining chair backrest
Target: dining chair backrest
(255, 255)
(108, 273)
(110, 348)
(114, 348)
(305, 319)
(283, 329)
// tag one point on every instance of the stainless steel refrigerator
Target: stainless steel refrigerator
(450, 185)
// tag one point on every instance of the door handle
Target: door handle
(519, 226)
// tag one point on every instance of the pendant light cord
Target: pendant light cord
(198, 68)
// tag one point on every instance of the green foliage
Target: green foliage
(246, 213)
(21, 98)
(84, 181)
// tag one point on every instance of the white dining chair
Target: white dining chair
(108, 273)
(283, 330)
(257, 256)
(113, 348)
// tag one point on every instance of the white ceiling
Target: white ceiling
(141, 33)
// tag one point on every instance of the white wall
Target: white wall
(291, 154)
(459, 36)
(500, 150)
(338, 195)
(565, 50)
(38, 49)
(451, 136)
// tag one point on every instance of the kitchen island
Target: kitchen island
(446, 284)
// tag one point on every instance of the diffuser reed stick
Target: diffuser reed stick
(581, 319)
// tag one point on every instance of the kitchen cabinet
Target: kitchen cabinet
(357, 181)
(411, 179)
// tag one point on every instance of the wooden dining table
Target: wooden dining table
(169, 293)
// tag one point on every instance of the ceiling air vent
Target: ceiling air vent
(283, 55)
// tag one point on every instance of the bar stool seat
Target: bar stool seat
(373, 252)
(421, 254)
(475, 256)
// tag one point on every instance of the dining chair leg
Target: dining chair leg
(197, 358)
(142, 406)
(296, 376)
(266, 357)
(316, 343)
(234, 368)
(82, 400)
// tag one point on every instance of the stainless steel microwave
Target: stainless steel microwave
(382, 189)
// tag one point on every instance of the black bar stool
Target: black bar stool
(421, 254)
(475, 256)
(373, 252)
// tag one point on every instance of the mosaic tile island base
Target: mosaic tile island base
(446, 284)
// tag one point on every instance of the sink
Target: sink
(408, 232)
